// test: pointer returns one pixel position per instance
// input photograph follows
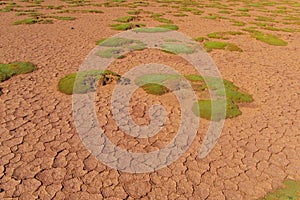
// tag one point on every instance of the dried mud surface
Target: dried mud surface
(42, 156)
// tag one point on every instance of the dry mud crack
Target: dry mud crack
(42, 156)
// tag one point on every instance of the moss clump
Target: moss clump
(163, 20)
(154, 88)
(200, 39)
(151, 30)
(116, 42)
(203, 108)
(15, 68)
(32, 21)
(131, 45)
(126, 26)
(134, 12)
(67, 18)
(177, 48)
(83, 82)
(169, 26)
(125, 19)
(159, 84)
(210, 45)
(291, 191)
(268, 38)
(109, 53)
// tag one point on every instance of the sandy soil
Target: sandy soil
(42, 156)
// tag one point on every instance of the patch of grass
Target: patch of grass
(218, 35)
(290, 191)
(267, 38)
(203, 108)
(225, 11)
(238, 23)
(109, 53)
(264, 19)
(163, 20)
(33, 21)
(15, 68)
(243, 9)
(200, 39)
(210, 45)
(67, 18)
(134, 12)
(116, 42)
(169, 26)
(125, 19)
(83, 82)
(211, 16)
(126, 26)
(177, 48)
(159, 84)
(152, 30)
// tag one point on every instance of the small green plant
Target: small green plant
(62, 18)
(200, 39)
(125, 19)
(15, 68)
(159, 84)
(85, 81)
(290, 191)
(126, 26)
(176, 48)
(134, 12)
(33, 21)
(267, 38)
(210, 45)
(163, 20)
(151, 30)
(169, 26)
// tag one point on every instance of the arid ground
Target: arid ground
(42, 156)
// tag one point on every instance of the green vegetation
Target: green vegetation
(15, 68)
(169, 26)
(62, 18)
(200, 39)
(134, 12)
(163, 20)
(85, 81)
(109, 53)
(126, 26)
(290, 191)
(210, 45)
(33, 21)
(267, 38)
(151, 30)
(177, 48)
(159, 84)
(125, 19)
(129, 44)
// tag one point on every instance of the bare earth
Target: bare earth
(42, 156)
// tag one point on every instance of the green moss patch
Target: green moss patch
(169, 26)
(177, 48)
(125, 19)
(15, 68)
(203, 108)
(33, 21)
(152, 30)
(266, 38)
(116, 42)
(210, 45)
(126, 26)
(83, 82)
(290, 191)
(159, 84)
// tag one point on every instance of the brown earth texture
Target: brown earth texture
(41, 153)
